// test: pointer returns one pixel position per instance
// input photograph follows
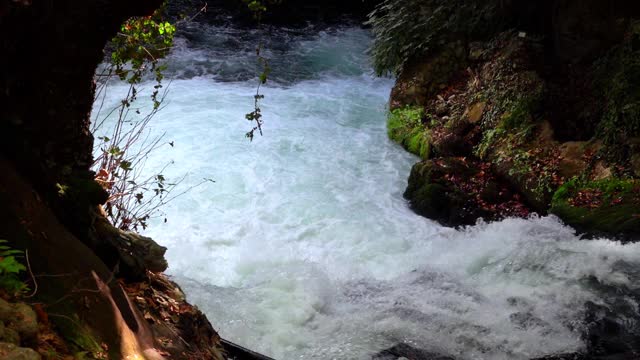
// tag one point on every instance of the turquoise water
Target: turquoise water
(304, 248)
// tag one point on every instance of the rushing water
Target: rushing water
(304, 248)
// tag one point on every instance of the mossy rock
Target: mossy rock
(432, 196)
(609, 207)
(405, 127)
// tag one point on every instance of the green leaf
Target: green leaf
(125, 165)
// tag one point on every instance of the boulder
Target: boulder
(458, 191)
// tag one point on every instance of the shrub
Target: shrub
(405, 29)
(10, 267)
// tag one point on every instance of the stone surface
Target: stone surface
(572, 161)
(24, 321)
(474, 113)
(458, 191)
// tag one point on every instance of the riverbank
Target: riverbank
(505, 128)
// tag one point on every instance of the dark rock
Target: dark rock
(459, 191)
(432, 196)
(403, 350)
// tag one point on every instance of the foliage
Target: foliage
(139, 45)
(10, 268)
(123, 149)
(618, 79)
(256, 114)
(405, 29)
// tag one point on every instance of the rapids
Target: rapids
(304, 247)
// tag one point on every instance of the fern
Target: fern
(10, 268)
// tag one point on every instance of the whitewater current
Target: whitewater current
(304, 248)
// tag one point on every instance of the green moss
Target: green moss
(405, 127)
(418, 143)
(615, 211)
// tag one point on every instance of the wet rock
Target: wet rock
(402, 350)
(459, 191)
(431, 195)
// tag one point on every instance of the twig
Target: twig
(35, 283)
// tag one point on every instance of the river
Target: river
(304, 247)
